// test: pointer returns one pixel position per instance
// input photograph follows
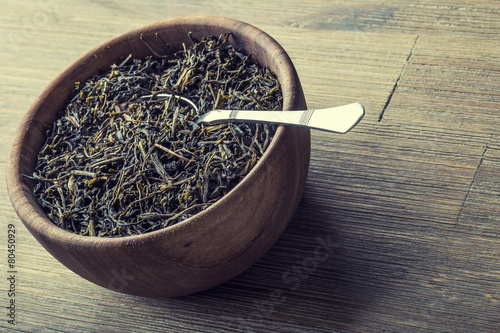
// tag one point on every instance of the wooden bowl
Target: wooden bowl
(206, 249)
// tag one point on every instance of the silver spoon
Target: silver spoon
(340, 119)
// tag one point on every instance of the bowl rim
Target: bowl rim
(16, 184)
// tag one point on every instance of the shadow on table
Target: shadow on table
(320, 270)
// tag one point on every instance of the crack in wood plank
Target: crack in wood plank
(476, 173)
(389, 98)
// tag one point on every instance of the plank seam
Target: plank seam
(389, 98)
(476, 173)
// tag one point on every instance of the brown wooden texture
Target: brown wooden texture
(398, 228)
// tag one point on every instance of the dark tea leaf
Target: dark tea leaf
(126, 156)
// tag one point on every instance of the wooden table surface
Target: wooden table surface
(406, 207)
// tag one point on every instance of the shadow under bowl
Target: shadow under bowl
(206, 249)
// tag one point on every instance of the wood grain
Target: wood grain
(397, 230)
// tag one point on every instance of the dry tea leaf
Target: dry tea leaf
(117, 163)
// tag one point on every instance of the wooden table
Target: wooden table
(404, 210)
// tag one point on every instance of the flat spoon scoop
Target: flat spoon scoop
(339, 119)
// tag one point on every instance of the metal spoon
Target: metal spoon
(339, 119)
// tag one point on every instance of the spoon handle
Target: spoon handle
(339, 119)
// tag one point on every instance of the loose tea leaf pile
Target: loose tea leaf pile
(126, 155)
